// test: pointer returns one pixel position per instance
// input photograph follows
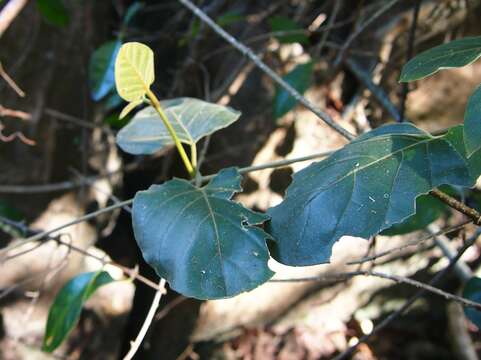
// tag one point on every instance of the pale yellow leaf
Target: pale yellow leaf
(134, 71)
(130, 106)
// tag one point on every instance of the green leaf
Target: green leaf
(130, 106)
(201, 242)
(132, 10)
(134, 71)
(283, 24)
(112, 101)
(65, 311)
(300, 79)
(472, 291)
(102, 69)
(53, 11)
(428, 210)
(191, 118)
(472, 123)
(366, 187)
(455, 136)
(454, 54)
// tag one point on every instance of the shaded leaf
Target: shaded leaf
(472, 123)
(53, 11)
(134, 71)
(191, 118)
(455, 136)
(360, 190)
(112, 101)
(102, 69)
(428, 210)
(294, 32)
(472, 291)
(300, 79)
(454, 54)
(65, 311)
(132, 10)
(202, 243)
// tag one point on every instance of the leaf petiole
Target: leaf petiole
(187, 163)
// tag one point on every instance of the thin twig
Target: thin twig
(409, 55)
(353, 37)
(22, 115)
(135, 345)
(8, 79)
(413, 243)
(395, 278)
(9, 13)
(348, 352)
(266, 69)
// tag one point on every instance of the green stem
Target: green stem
(193, 155)
(156, 104)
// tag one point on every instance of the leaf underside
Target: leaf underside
(65, 311)
(454, 54)
(134, 71)
(191, 118)
(362, 189)
(201, 242)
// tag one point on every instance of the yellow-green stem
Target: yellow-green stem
(188, 165)
(193, 155)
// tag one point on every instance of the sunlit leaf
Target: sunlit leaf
(53, 11)
(472, 291)
(101, 69)
(191, 118)
(134, 71)
(454, 54)
(65, 311)
(366, 187)
(205, 245)
(472, 123)
(300, 79)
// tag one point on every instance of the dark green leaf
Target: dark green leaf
(192, 119)
(455, 136)
(300, 79)
(294, 33)
(428, 210)
(360, 190)
(472, 291)
(53, 11)
(472, 123)
(65, 311)
(102, 69)
(454, 54)
(202, 243)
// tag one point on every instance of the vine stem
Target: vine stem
(457, 205)
(188, 164)
(135, 345)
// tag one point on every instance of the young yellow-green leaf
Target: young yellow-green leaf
(472, 123)
(366, 187)
(191, 119)
(65, 311)
(130, 106)
(204, 244)
(454, 54)
(134, 71)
